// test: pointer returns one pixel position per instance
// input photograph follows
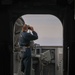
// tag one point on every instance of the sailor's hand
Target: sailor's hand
(32, 29)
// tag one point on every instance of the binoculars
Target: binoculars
(28, 27)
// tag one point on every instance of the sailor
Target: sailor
(25, 41)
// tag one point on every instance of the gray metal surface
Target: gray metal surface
(47, 69)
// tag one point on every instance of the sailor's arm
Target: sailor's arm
(33, 36)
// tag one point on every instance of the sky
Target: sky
(48, 27)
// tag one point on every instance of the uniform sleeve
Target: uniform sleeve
(33, 36)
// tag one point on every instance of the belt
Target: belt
(27, 46)
(24, 48)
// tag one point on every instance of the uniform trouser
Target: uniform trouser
(26, 62)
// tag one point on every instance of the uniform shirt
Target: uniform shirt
(25, 38)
